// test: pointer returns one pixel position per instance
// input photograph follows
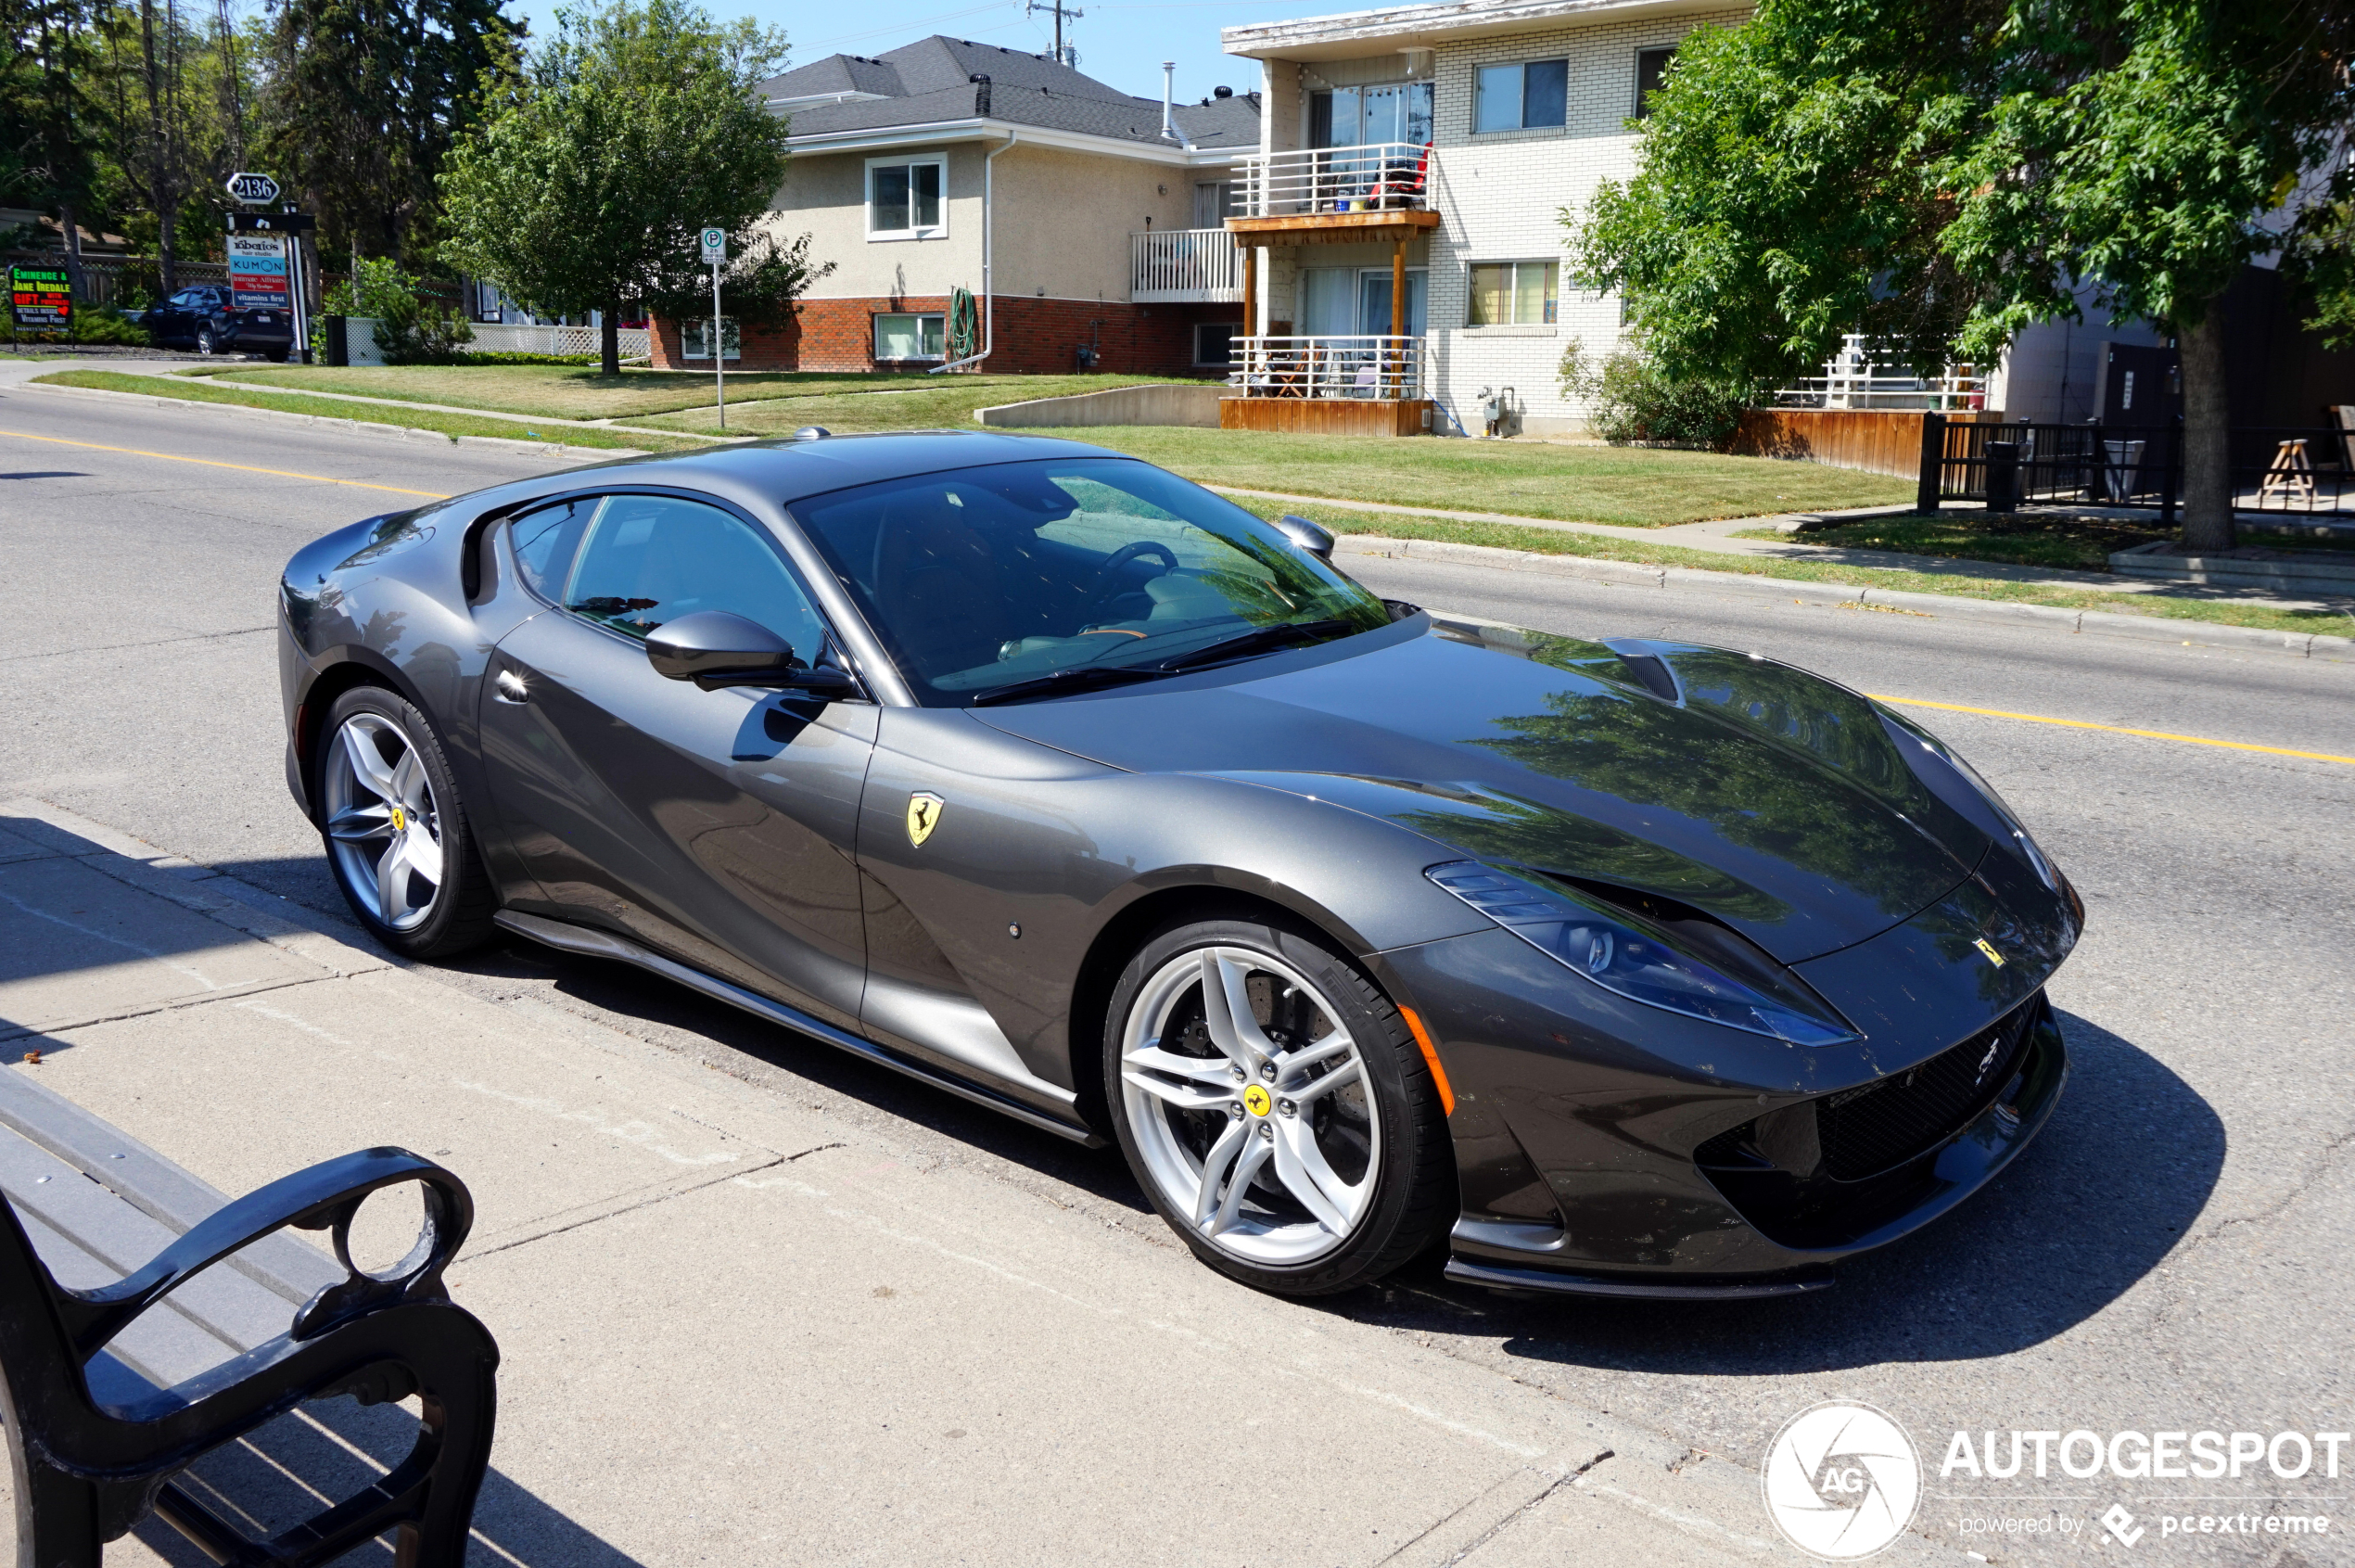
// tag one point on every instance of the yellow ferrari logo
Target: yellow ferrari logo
(924, 815)
(399, 820)
(1988, 948)
(1255, 1100)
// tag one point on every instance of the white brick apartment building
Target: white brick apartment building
(1523, 105)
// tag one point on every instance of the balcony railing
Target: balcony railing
(1382, 176)
(1388, 369)
(1176, 266)
(1855, 379)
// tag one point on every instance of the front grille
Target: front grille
(1864, 1130)
(1872, 1128)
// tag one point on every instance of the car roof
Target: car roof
(787, 470)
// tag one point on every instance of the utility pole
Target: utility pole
(1064, 53)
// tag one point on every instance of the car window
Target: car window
(980, 577)
(187, 298)
(653, 558)
(544, 541)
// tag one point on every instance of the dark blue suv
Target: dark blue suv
(205, 319)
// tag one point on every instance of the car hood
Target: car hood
(1765, 798)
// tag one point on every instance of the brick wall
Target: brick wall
(1036, 337)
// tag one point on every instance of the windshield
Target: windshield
(981, 578)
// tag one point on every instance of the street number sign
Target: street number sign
(254, 190)
(714, 248)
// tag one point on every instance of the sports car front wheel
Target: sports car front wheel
(395, 831)
(1276, 1109)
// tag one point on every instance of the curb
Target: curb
(342, 427)
(1628, 574)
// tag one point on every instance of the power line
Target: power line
(1066, 56)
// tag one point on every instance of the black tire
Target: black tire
(464, 899)
(1412, 1164)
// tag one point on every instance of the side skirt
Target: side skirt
(593, 943)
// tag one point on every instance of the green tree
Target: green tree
(635, 127)
(361, 101)
(1945, 173)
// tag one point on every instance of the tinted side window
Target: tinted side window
(544, 541)
(653, 558)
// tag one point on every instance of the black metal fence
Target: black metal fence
(2300, 471)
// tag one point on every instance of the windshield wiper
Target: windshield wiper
(1079, 678)
(1265, 638)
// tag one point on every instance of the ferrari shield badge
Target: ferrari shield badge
(1986, 948)
(924, 815)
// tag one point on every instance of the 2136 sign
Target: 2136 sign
(254, 190)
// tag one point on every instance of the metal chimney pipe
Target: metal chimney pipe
(1168, 100)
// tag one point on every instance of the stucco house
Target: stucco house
(1086, 222)
(1426, 152)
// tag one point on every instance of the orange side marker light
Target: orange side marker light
(1431, 1059)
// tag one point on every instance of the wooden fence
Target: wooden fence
(1875, 440)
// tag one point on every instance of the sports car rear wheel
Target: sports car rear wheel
(1272, 1103)
(396, 834)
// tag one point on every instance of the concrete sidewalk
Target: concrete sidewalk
(735, 1332)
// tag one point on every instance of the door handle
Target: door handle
(508, 686)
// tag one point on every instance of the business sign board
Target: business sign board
(41, 298)
(258, 271)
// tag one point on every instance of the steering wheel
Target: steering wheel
(1106, 579)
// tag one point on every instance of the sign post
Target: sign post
(715, 256)
(265, 266)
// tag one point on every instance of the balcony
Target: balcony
(1362, 384)
(1377, 191)
(1185, 266)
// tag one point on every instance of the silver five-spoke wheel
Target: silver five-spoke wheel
(383, 821)
(1249, 1103)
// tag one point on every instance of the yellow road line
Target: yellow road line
(2113, 729)
(240, 468)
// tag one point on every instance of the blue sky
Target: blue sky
(1123, 44)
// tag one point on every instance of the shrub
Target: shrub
(409, 329)
(104, 324)
(1631, 402)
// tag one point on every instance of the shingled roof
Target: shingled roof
(932, 81)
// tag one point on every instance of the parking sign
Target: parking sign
(714, 248)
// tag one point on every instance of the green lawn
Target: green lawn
(416, 419)
(1551, 541)
(559, 391)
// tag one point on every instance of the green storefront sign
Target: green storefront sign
(41, 298)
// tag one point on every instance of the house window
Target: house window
(1652, 69)
(1359, 117)
(1214, 202)
(694, 338)
(903, 198)
(1514, 97)
(1513, 293)
(1214, 342)
(910, 337)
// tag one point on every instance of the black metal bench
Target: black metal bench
(144, 1321)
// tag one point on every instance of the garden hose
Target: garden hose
(965, 326)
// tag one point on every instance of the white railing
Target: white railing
(1854, 378)
(496, 338)
(1383, 368)
(1382, 176)
(1173, 266)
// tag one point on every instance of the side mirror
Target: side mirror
(714, 649)
(1307, 536)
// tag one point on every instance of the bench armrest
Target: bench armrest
(325, 1197)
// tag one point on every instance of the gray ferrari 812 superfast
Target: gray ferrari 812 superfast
(1040, 775)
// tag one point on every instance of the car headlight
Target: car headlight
(1958, 784)
(1632, 957)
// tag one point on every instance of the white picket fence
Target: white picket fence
(493, 337)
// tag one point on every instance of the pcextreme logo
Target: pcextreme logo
(1842, 1480)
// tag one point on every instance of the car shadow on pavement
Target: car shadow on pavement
(2117, 1178)
(286, 1471)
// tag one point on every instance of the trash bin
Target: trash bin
(2118, 472)
(2003, 477)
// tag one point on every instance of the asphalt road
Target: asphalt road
(2171, 1256)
